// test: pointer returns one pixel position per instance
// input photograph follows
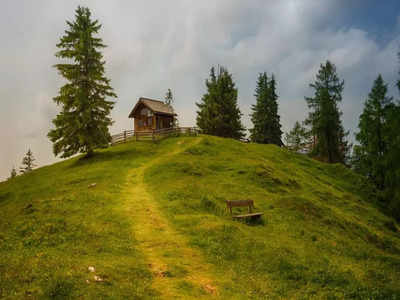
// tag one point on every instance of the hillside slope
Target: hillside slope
(155, 226)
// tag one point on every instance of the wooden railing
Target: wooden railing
(153, 135)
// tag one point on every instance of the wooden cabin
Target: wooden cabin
(149, 114)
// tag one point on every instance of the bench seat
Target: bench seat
(252, 215)
(243, 203)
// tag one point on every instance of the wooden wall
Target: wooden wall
(141, 122)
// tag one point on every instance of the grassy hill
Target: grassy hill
(154, 225)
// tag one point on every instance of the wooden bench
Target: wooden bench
(243, 203)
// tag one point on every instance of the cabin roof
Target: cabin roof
(156, 106)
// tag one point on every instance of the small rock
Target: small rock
(87, 281)
(210, 289)
(159, 273)
(91, 269)
(92, 185)
(98, 278)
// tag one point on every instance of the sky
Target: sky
(156, 45)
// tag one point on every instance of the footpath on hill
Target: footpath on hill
(178, 270)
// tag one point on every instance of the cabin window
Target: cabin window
(150, 120)
(140, 123)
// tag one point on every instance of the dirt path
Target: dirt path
(179, 270)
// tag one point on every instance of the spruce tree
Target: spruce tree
(13, 173)
(218, 112)
(298, 139)
(207, 113)
(27, 162)
(324, 117)
(82, 125)
(392, 159)
(377, 154)
(169, 98)
(265, 118)
(369, 155)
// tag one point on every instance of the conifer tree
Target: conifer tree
(324, 118)
(377, 155)
(218, 112)
(392, 159)
(369, 155)
(298, 139)
(169, 98)
(27, 162)
(13, 173)
(265, 118)
(82, 125)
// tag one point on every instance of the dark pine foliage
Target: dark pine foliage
(392, 159)
(82, 125)
(369, 154)
(218, 112)
(13, 173)
(298, 139)
(265, 118)
(169, 98)
(28, 162)
(325, 117)
(377, 154)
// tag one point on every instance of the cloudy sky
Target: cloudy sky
(156, 45)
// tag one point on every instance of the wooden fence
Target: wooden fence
(152, 135)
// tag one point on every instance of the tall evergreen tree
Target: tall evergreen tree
(218, 112)
(372, 136)
(28, 162)
(324, 118)
(169, 98)
(392, 159)
(265, 118)
(377, 154)
(13, 173)
(82, 125)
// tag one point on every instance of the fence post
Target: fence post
(152, 135)
(136, 136)
(124, 136)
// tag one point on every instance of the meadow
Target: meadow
(155, 225)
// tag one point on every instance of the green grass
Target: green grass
(53, 227)
(319, 236)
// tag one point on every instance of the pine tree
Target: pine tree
(377, 155)
(324, 118)
(13, 173)
(370, 153)
(218, 112)
(82, 125)
(169, 98)
(265, 118)
(207, 113)
(392, 159)
(27, 162)
(298, 139)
